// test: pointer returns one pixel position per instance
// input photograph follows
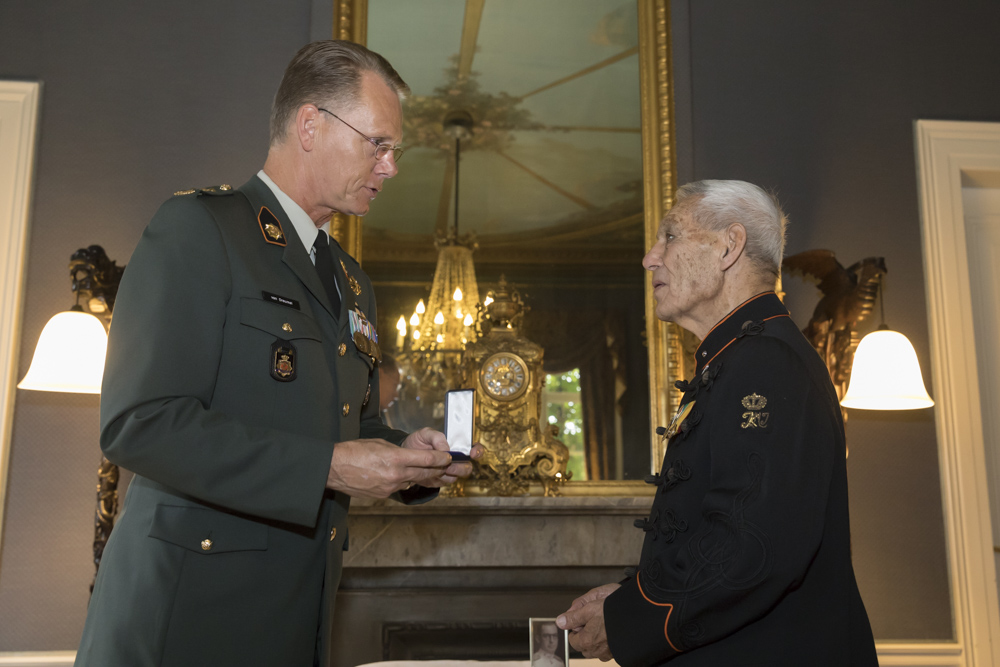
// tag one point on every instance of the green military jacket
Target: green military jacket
(228, 550)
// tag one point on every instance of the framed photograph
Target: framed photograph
(549, 644)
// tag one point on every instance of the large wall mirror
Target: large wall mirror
(562, 181)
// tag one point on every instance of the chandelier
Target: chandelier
(431, 341)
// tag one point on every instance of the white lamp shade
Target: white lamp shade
(69, 356)
(886, 375)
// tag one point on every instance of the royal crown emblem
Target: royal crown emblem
(754, 402)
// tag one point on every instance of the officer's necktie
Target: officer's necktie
(324, 267)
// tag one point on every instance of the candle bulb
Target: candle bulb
(457, 296)
(421, 308)
(439, 318)
(401, 333)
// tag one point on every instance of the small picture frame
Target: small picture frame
(549, 644)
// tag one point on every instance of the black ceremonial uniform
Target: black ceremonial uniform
(747, 558)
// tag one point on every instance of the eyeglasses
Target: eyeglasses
(381, 150)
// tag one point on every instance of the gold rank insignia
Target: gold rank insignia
(355, 287)
(181, 193)
(755, 418)
(270, 227)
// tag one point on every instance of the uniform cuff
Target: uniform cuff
(637, 627)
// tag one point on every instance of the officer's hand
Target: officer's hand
(428, 438)
(374, 468)
(585, 620)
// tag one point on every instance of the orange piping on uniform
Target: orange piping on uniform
(753, 298)
(766, 319)
(660, 604)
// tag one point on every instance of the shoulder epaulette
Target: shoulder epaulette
(218, 190)
(215, 190)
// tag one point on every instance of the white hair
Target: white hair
(718, 204)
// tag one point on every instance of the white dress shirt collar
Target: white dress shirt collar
(303, 224)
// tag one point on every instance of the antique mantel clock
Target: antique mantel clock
(505, 369)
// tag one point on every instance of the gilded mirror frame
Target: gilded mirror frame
(666, 358)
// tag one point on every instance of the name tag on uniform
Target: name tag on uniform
(282, 300)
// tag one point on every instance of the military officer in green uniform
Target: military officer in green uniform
(241, 387)
(746, 559)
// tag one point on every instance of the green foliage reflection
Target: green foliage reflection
(564, 409)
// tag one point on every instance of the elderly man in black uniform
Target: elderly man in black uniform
(746, 559)
(242, 389)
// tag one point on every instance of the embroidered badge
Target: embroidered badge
(755, 418)
(282, 361)
(270, 227)
(355, 287)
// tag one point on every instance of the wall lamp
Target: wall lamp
(886, 374)
(879, 373)
(69, 357)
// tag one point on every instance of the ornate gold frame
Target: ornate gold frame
(666, 359)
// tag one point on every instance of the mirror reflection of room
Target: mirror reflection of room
(539, 182)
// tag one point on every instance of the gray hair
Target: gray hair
(718, 204)
(328, 73)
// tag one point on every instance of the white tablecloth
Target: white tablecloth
(482, 663)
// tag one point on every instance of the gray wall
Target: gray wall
(139, 100)
(815, 100)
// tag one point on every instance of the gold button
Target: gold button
(224, 187)
(206, 545)
(286, 327)
(333, 534)
(347, 409)
(343, 349)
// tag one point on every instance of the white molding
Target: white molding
(18, 127)
(894, 655)
(37, 659)
(944, 150)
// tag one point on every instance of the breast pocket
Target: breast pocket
(279, 321)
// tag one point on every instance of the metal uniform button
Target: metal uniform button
(286, 327)
(206, 545)
(343, 349)
(347, 409)
(333, 534)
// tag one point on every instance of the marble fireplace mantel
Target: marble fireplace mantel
(496, 532)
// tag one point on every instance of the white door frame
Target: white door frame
(946, 149)
(18, 130)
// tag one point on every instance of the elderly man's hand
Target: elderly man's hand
(585, 621)
(428, 438)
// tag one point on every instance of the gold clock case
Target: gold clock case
(667, 362)
(522, 452)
